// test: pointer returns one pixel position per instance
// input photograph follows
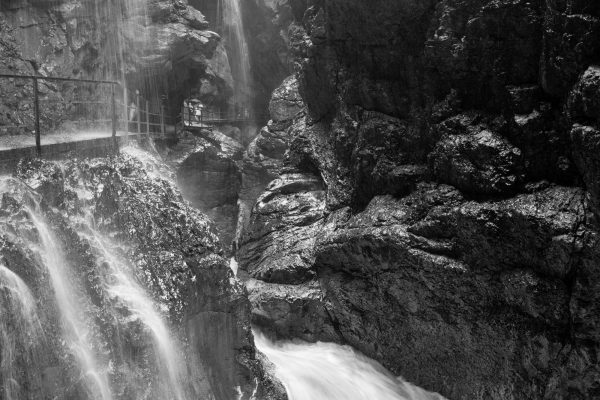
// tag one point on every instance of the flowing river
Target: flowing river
(327, 371)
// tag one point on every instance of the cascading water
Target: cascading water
(333, 372)
(239, 56)
(119, 344)
(75, 325)
(20, 331)
(123, 287)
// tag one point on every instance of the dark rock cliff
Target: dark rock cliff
(437, 206)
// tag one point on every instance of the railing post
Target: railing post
(36, 110)
(114, 116)
(147, 117)
(138, 111)
(162, 119)
(125, 109)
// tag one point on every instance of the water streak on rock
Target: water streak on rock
(19, 326)
(76, 331)
(123, 287)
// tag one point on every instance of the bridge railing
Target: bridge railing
(98, 109)
(150, 117)
(192, 116)
(60, 105)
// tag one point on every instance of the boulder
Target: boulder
(478, 161)
(291, 311)
(209, 176)
(278, 245)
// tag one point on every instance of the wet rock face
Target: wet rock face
(478, 161)
(175, 256)
(457, 143)
(208, 173)
(277, 251)
(447, 59)
(286, 102)
(286, 218)
(264, 156)
(584, 112)
(479, 293)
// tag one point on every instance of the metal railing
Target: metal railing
(136, 114)
(200, 117)
(36, 101)
(148, 119)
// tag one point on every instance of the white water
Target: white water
(239, 56)
(233, 265)
(19, 296)
(154, 166)
(327, 371)
(124, 287)
(75, 327)
(18, 305)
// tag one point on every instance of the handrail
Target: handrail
(36, 101)
(140, 105)
(55, 78)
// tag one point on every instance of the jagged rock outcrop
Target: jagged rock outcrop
(436, 66)
(480, 292)
(286, 219)
(482, 289)
(584, 112)
(277, 252)
(209, 175)
(263, 159)
(291, 311)
(478, 161)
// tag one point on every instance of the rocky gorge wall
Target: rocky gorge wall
(437, 203)
(106, 214)
(426, 189)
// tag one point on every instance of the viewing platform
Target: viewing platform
(109, 116)
(195, 116)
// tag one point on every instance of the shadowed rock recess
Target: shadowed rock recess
(438, 203)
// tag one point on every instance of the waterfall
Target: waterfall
(329, 371)
(234, 266)
(239, 58)
(20, 331)
(123, 287)
(75, 325)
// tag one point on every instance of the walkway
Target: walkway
(24, 141)
(56, 146)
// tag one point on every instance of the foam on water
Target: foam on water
(327, 371)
